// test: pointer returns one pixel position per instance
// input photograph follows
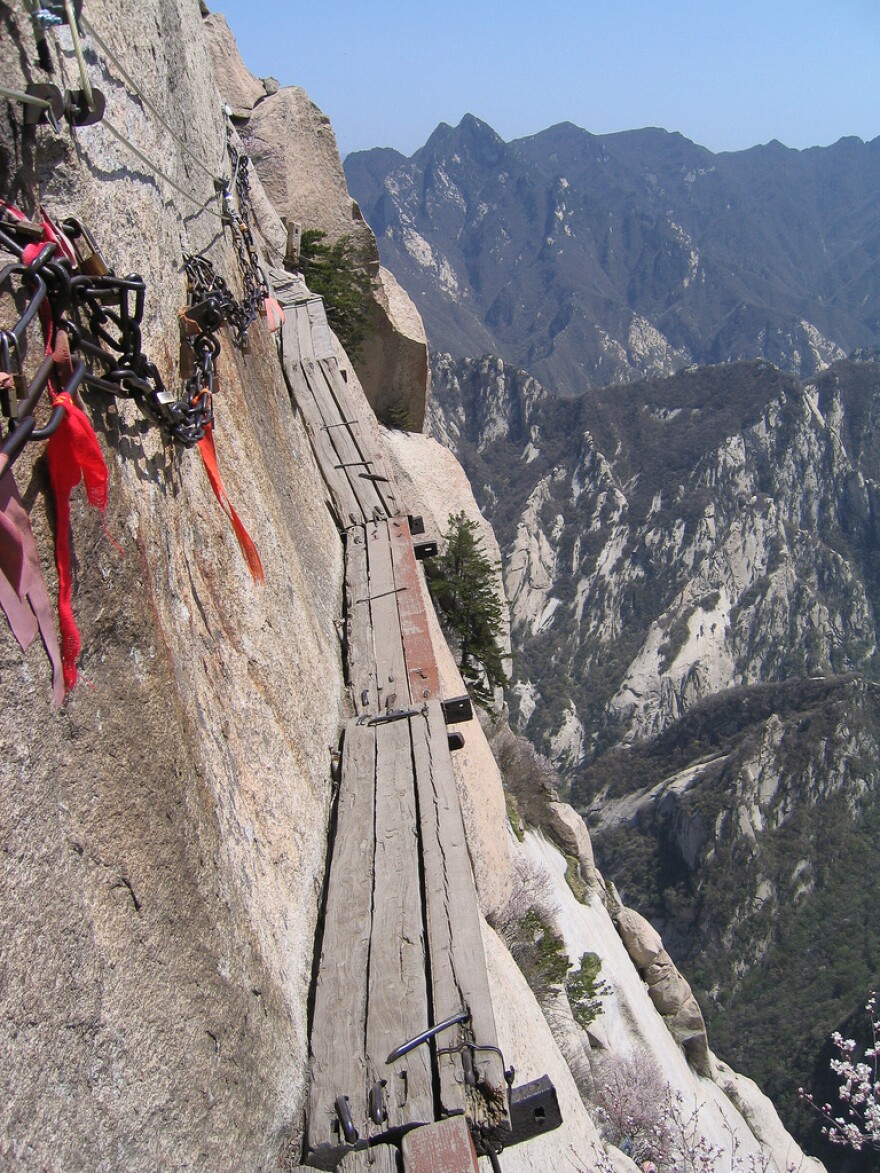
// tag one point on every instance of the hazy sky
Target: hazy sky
(727, 75)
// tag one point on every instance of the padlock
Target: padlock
(88, 254)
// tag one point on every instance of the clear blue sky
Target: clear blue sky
(727, 75)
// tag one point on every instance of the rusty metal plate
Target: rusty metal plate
(445, 1147)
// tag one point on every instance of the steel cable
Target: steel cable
(108, 53)
(157, 170)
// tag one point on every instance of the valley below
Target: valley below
(682, 472)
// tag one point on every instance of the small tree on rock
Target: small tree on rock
(339, 273)
(464, 586)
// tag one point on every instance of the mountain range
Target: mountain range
(640, 359)
(595, 259)
(693, 574)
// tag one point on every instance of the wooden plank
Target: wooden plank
(455, 945)
(381, 1158)
(289, 290)
(347, 506)
(445, 1147)
(387, 643)
(358, 631)
(322, 342)
(338, 1063)
(349, 460)
(422, 671)
(366, 449)
(304, 332)
(397, 1007)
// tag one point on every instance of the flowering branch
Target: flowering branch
(859, 1091)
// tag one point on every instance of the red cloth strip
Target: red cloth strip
(73, 455)
(245, 542)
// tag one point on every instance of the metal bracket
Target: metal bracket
(343, 1111)
(425, 549)
(411, 1044)
(387, 718)
(534, 1109)
(457, 709)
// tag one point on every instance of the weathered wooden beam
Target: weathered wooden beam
(304, 331)
(397, 1006)
(360, 660)
(338, 1062)
(348, 450)
(344, 499)
(381, 1158)
(338, 389)
(421, 664)
(293, 237)
(384, 602)
(322, 341)
(471, 1080)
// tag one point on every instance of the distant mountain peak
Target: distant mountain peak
(471, 122)
(472, 138)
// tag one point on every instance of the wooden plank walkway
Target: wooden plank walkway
(401, 950)
(353, 467)
(468, 1078)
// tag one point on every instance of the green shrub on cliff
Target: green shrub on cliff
(338, 272)
(463, 584)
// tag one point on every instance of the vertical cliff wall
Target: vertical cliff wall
(307, 188)
(163, 834)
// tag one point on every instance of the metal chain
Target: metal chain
(211, 301)
(104, 325)
(113, 309)
(109, 312)
(254, 283)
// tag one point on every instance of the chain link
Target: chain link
(254, 283)
(108, 312)
(113, 307)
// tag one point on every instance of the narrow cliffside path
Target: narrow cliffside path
(401, 954)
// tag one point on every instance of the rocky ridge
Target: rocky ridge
(692, 567)
(596, 259)
(670, 540)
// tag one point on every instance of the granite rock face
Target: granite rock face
(164, 833)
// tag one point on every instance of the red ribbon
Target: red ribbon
(73, 455)
(245, 542)
(23, 595)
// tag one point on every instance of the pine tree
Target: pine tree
(463, 584)
(339, 273)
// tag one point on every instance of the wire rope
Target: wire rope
(27, 99)
(108, 53)
(157, 170)
(78, 53)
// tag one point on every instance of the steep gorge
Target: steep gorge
(691, 564)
